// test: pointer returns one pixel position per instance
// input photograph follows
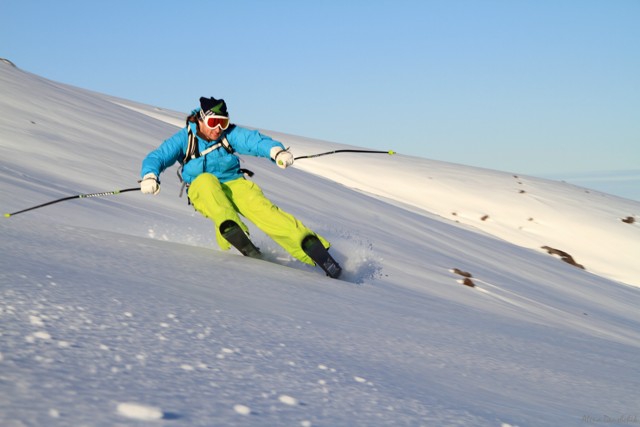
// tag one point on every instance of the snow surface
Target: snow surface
(121, 310)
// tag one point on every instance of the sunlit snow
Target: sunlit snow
(121, 310)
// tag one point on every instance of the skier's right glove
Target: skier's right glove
(150, 184)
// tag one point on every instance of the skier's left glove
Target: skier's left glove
(283, 158)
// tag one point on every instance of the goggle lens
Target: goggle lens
(212, 122)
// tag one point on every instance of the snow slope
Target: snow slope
(121, 310)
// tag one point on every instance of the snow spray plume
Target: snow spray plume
(77, 196)
(389, 152)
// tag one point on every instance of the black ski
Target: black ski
(313, 247)
(239, 239)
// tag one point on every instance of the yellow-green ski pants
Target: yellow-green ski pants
(224, 201)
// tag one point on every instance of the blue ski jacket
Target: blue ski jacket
(219, 162)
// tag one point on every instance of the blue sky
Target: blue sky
(533, 87)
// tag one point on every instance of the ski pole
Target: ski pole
(390, 152)
(77, 196)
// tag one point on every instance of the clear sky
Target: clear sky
(534, 87)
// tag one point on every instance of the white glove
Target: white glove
(150, 184)
(283, 158)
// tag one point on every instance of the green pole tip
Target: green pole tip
(7, 215)
(391, 152)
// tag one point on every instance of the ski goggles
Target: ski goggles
(213, 121)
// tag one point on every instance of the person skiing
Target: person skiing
(218, 189)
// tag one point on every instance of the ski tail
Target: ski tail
(313, 247)
(234, 234)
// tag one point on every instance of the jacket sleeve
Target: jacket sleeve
(251, 142)
(169, 152)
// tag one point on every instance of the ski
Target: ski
(239, 239)
(313, 247)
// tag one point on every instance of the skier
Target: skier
(218, 189)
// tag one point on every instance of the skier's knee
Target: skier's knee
(204, 179)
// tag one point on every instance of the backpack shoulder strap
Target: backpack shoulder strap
(192, 150)
(226, 145)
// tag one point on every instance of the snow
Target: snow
(139, 412)
(121, 310)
